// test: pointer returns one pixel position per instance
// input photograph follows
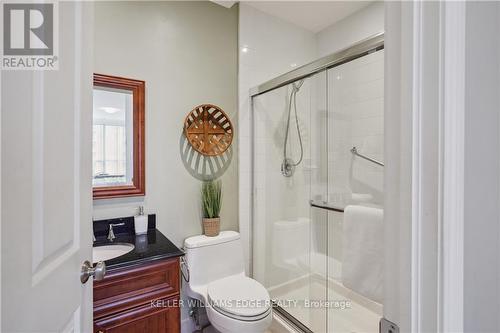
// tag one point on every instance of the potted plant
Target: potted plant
(211, 195)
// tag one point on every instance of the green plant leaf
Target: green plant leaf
(211, 195)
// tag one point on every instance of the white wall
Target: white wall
(356, 116)
(187, 54)
(281, 201)
(273, 47)
(358, 26)
(482, 169)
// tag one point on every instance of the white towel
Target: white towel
(359, 198)
(362, 251)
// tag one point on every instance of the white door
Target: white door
(415, 200)
(441, 134)
(46, 198)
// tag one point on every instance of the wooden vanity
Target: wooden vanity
(139, 299)
(140, 292)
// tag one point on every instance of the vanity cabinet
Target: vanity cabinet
(139, 299)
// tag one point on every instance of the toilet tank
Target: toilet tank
(212, 258)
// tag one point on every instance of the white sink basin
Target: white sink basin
(106, 252)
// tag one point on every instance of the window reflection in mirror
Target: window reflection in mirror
(112, 146)
(118, 148)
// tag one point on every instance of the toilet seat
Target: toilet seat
(239, 297)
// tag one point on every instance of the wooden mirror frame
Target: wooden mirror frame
(138, 187)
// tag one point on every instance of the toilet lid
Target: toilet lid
(239, 296)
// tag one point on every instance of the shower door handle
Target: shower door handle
(325, 205)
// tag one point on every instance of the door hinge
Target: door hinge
(386, 326)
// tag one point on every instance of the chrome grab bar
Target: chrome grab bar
(354, 151)
(325, 205)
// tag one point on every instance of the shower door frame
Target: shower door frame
(358, 50)
(362, 48)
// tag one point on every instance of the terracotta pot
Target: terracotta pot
(211, 227)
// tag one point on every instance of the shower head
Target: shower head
(297, 85)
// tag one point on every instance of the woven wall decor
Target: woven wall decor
(208, 129)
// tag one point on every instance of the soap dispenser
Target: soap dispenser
(141, 222)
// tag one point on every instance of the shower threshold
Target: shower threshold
(290, 320)
(361, 315)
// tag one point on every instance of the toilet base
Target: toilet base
(210, 329)
(224, 324)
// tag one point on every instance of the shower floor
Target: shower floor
(362, 316)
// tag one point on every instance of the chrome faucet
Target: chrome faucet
(111, 234)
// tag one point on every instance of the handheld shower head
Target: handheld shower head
(288, 165)
(297, 85)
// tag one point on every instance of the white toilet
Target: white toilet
(216, 274)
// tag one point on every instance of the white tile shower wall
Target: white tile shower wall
(270, 47)
(281, 203)
(283, 226)
(267, 47)
(356, 99)
(358, 26)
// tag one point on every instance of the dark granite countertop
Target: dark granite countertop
(148, 247)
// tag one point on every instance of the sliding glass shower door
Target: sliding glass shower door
(318, 196)
(355, 236)
(286, 231)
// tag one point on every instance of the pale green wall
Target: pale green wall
(187, 54)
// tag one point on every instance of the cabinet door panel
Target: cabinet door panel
(128, 288)
(144, 319)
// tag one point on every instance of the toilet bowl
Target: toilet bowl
(216, 277)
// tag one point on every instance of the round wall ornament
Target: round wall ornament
(208, 130)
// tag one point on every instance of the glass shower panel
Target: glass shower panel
(355, 246)
(318, 226)
(318, 166)
(289, 238)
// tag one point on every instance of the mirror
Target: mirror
(118, 137)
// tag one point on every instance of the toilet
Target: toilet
(215, 276)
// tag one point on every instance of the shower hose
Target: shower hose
(287, 162)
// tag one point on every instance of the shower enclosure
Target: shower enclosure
(318, 190)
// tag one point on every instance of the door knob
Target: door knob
(97, 272)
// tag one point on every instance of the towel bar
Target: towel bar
(325, 205)
(354, 151)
